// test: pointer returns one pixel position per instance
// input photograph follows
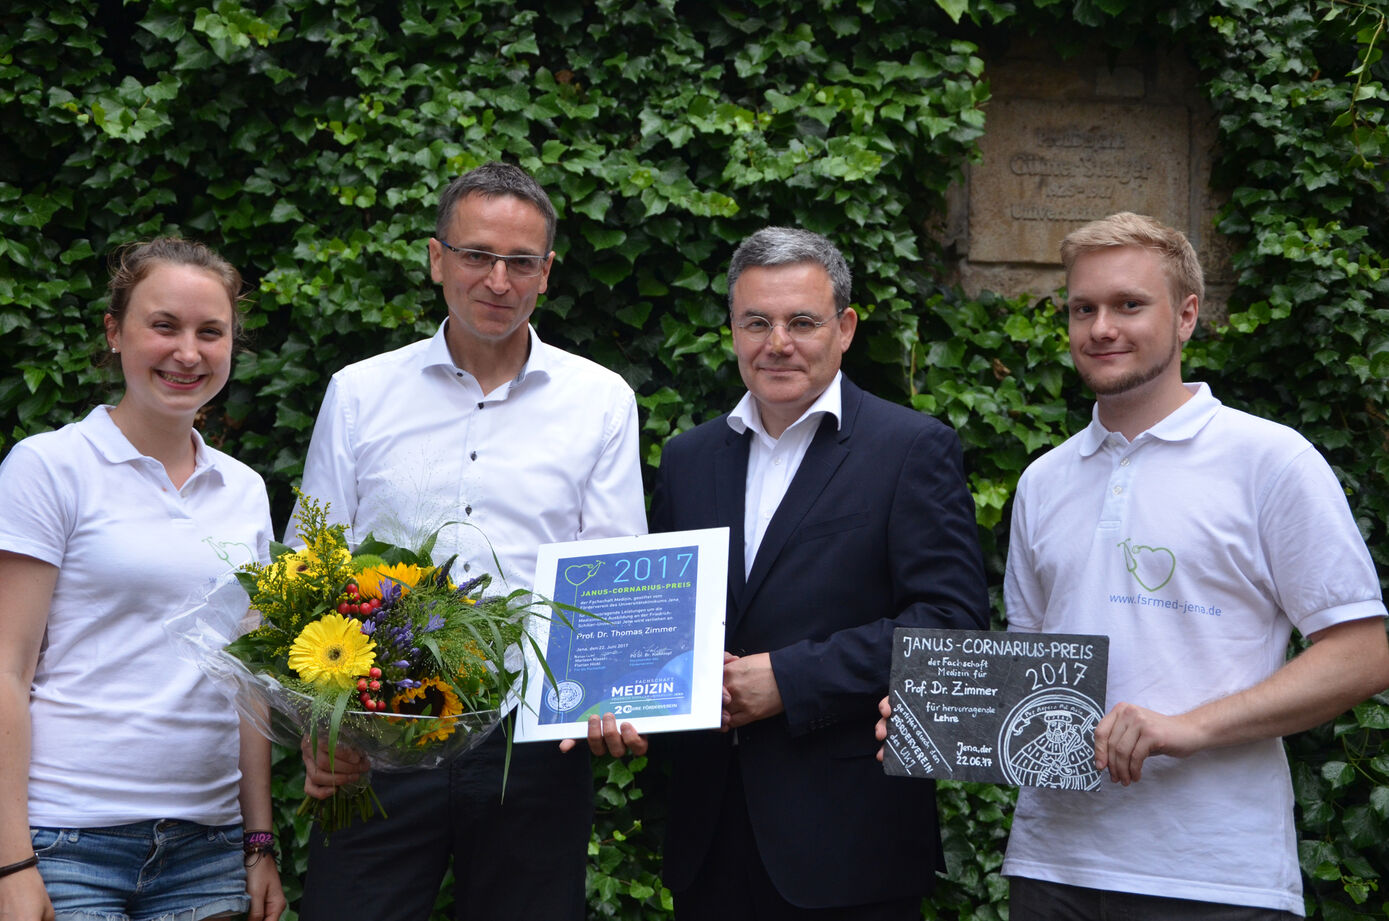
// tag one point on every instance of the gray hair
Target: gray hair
(494, 180)
(788, 246)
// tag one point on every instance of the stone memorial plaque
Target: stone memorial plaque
(1049, 166)
(1015, 708)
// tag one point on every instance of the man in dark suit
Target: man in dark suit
(849, 517)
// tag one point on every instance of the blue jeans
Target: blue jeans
(161, 870)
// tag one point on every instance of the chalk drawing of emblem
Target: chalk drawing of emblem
(565, 697)
(1048, 740)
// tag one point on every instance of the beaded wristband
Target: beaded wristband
(256, 843)
(18, 865)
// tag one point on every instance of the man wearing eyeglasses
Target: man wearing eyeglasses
(507, 443)
(849, 517)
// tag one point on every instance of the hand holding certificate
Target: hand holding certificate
(646, 643)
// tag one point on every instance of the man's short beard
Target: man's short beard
(1136, 379)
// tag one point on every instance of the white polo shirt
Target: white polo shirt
(123, 728)
(1196, 548)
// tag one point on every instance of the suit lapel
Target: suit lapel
(824, 456)
(730, 497)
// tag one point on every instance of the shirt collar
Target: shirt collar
(746, 415)
(101, 430)
(110, 442)
(537, 362)
(1180, 425)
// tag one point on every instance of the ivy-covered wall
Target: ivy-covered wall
(307, 140)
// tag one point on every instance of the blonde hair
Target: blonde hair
(1125, 228)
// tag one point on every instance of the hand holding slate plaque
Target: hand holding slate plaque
(1016, 708)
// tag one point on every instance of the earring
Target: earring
(114, 351)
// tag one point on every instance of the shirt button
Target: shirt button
(468, 510)
(777, 462)
(1118, 490)
(473, 456)
(1124, 462)
(467, 567)
(480, 405)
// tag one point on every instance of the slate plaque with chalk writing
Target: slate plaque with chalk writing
(1015, 708)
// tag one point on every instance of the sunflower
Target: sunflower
(332, 651)
(295, 564)
(438, 698)
(307, 559)
(406, 574)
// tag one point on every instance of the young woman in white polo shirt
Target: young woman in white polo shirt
(128, 788)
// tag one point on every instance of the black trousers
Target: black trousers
(520, 858)
(733, 884)
(1039, 900)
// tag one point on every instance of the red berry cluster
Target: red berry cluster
(368, 687)
(353, 603)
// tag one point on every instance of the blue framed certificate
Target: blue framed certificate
(648, 643)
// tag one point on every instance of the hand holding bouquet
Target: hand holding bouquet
(378, 650)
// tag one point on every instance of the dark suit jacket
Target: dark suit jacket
(876, 531)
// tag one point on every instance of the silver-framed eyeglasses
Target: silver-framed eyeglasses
(798, 327)
(480, 260)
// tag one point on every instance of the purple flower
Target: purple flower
(473, 583)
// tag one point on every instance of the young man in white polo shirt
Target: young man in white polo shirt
(1196, 537)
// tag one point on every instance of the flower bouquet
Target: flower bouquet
(375, 649)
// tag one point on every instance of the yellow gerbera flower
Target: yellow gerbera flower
(408, 575)
(332, 651)
(438, 698)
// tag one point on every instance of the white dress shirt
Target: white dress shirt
(406, 442)
(773, 462)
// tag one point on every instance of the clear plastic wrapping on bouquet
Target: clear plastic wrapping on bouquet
(391, 741)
